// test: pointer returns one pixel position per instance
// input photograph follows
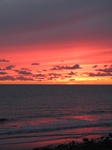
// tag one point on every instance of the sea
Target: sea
(40, 115)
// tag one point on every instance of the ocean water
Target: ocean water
(39, 115)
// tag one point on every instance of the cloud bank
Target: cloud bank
(54, 21)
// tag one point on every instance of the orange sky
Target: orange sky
(52, 43)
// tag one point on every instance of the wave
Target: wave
(39, 138)
(37, 116)
(32, 129)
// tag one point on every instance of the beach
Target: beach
(105, 144)
(102, 143)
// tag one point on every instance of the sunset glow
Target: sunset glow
(56, 42)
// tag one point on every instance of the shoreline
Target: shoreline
(102, 143)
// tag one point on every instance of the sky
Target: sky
(55, 41)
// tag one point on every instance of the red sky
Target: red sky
(56, 42)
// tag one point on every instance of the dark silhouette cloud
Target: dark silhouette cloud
(71, 73)
(76, 66)
(7, 78)
(54, 74)
(35, 64)
(23, 72)
(99, 74)
(105, 70)
(39, 75)
(9, 67)
(22, 78)
(54, 68)
(95, 66)
(3, 73)
(4, 60)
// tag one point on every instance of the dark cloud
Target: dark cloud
(54, 21)
(23, 72)
(9, 67)
(3, 73)
(7, 78)
(24, 78)
(54, 74)
(39, 75)
(95, 66)
(25, 69)
(54, 68)
(35, 64)
(99, 74)
(4, 60)
(76, 66)
(105, 70)
(71, 73)
(67, 76)
(3, 78)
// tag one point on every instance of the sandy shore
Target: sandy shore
(102, 143)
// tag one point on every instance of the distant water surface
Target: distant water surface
(48, 114)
